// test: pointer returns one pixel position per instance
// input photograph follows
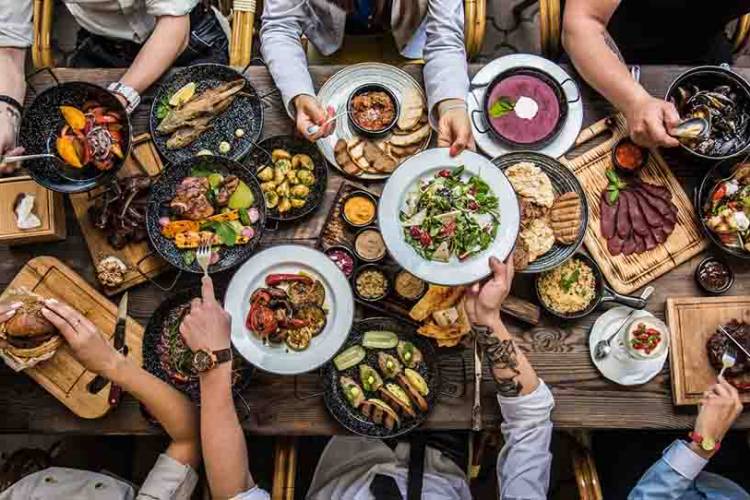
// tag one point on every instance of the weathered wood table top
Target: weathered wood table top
(291, 405)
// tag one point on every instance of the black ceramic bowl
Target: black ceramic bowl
(704, 286)
(602, 294)
(361, 257)
(629, 171)
(162, 192)
(245, 112)
(348, 251)
(370, 267)
(352, 419)
(364, 194)
(372, 87)
(152, 362)
(709, 77)
(546, 79)
(563, 180)
(41, 124)
(258, 158)
(719, 172)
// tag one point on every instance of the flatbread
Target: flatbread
(415, 137)
(531, 182)
(404, 151)
(411, 109)
(539, 238)
(341, 153)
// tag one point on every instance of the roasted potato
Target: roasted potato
(302, 161)
(272, 199)
(284, 205)
(297, 203)
(291, 176)
(280, 154)
(268, 186)
(306, 177)
(299, 191)
(265, 173)
(283, 189)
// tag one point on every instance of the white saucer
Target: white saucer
(618, 366)
(570, 129)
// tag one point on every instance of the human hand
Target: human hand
(207, 326)
(88, 344)
(483, 301)
(454, 127)
(309, 113)
(719, 408)
(649, 119)
(8, 310)
(9, 122)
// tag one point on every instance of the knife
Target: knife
(725, 332)
(115, 391)
(476, 410)
(98, 383)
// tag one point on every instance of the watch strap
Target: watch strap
(698, 439)
(223, 355)
(128, 92)
(12, 102)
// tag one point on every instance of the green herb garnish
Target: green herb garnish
(244, 216)
(501, 107)
(188, 257)
(567, 281)
(163, 108)
(614, 187)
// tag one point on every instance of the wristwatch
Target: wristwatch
(206, 360)
(128, 92)
(706, 443)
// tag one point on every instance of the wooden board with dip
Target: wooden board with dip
(351, 238)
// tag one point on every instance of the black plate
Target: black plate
(41, 123)
(162, 192)
(258, 158)
(718, 172)
(352, 419)
(563, 180)
(246, 112)
(151, 337)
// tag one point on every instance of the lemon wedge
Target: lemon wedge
(183, 95)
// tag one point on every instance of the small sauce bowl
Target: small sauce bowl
(372, 87)
(714, 276)
(628, 157)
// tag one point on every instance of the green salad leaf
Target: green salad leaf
(502, 106)
(188, 257)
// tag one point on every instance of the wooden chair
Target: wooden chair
(550, 29)
(240, 43)
(381, 47)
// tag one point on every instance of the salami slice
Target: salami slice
(608, 216)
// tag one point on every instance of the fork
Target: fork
(203, 255)
(728, 359)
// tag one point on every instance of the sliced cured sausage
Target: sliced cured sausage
(623, 216)
(608, 216)
(650, 240)
(614, 245)
(652, 215)
(640, 242)
(655, 190)
(660, 204)
(629, 246)
(637, 219)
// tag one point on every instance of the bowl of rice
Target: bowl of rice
(569, 289)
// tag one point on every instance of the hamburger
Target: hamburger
(28, 334)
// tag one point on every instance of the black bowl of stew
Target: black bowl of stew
(372, 109)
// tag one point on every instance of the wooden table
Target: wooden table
(289, 405)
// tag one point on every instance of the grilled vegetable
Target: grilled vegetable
(379, 339)
(398, 398)
(380, 413)
(409, 354)
(389, 365)
(352, 391)
(413, 383)
(313, 316)
(349, 357)
(370, 378)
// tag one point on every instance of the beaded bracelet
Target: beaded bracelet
(9, 100)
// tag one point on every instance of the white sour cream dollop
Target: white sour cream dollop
(741, 221)
(526, 108)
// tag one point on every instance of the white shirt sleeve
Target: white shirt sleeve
(445, 70)
(16, 29)
(523, 466)
(254, 493)
(158, 8)
(281, 47)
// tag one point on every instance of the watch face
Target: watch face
(708, 444)
(202, 361)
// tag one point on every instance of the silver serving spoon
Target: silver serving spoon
(13, 159)
(313, 129)
(692, 128)
(602, 349)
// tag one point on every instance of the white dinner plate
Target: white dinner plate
(454, 272)
(568, 133)
(278, 358)
(619, 367)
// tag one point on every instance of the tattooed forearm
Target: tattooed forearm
(503, 359)
(612, 45)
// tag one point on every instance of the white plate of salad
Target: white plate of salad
(442, 217)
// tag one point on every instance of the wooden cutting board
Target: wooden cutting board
(62, 375)
(629, 273)
(692, 320)
(143, 159)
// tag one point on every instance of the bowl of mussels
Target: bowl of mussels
(714, 107)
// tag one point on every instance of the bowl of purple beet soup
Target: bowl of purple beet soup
(524, 107)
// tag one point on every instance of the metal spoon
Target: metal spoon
(13, 159)
(692, 128)
(602, 348)
(313, 129)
